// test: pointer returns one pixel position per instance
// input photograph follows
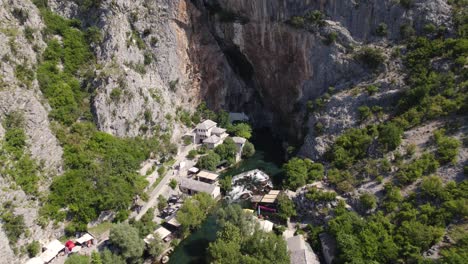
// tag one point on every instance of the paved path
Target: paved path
(163, 184)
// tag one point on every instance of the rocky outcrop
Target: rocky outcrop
(20, 44)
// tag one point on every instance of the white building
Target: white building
(192, 187)
(203, 130)
(240, 142)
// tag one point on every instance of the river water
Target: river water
(269, 158)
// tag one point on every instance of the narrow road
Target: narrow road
(163, 184)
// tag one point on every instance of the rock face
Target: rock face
(286, 66)
(19, 94)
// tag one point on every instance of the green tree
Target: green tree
(155, 247)
(77, 259)
(162, 202)
(370, 57)
(108, 257)
(127, 241)
(209, 161)
(390, 136)
(96, 258)
(194, 211)
(364, 113)
(226, 184)
(368, 201)
(227, 150)
(315, 171)
(241, 130)
(33, 248)
(173, 184)
(222, 118)
(296, 173)
(192, 154)
(286, 207)
(447, 147)
(432, 187)
(248, 150)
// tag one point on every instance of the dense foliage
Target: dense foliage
(194, 211)
(298, 172)
(236, 243)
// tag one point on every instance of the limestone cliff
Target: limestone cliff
(286, 66)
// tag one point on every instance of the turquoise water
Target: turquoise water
(269, 158)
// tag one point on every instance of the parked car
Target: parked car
(168, 212)
(173, 199)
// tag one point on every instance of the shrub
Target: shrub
(390, 136)
(331, 38)
(115, 94)
(297, 21)
(364, 112)
(24, 74)
(192, 154)
(426, 164)
(94, 35)
(372, 89)
(161, 171)
(173, 184)
(407, 31)
(351, 145)
(315, 17)
(33, 248)
(370, 57)
(447, 148)
(382, 30)
(317, 195)
(13, 225)
(368, 201)
(286, 207)
(432, 187)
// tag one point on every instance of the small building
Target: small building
(192, 187)
(220, 132)
(265, 225)
(213, 141)
(161, 233)
(203, 130)
(52, 250)
(192, 171)
(240, 142)
(242, 117)
(173, 223)
(85, 240)
(207, 176)
(300, 251)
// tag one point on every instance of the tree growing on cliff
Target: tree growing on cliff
(296, 173)
(241, 130)
(286, 208)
